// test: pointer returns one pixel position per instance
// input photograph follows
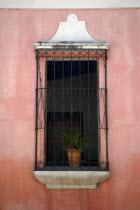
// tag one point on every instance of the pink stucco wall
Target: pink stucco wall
(19, 190)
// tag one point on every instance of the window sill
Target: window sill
(71, 179)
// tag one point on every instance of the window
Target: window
(71, 109)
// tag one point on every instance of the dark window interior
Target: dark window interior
(71, 104)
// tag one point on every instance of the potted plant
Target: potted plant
(74, 142)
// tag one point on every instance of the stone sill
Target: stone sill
(71, 179)
(93, 45)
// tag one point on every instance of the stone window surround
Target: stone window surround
(79, 38)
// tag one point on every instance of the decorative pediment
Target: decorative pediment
(72, 32)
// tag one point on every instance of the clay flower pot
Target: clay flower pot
(74, 156)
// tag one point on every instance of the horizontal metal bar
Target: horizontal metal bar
(69, 127)
(103, 167)
(73, 88)
(71, 48)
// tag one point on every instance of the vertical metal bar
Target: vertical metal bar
(54, 106)
(63, 107)
(79, 92)
(36, 123)
(106, 107)
(88, 114)
(46, 111)
(98, 107)
(71, 107)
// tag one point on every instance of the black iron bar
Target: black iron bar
(71, 102)
(106, 106)
(36, 123)
(88, 115)
(54, 108)
(39, 128)
(63, 108)
(45, 114)
(80, 100)
(73, 88)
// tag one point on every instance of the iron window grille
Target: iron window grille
(71, 93)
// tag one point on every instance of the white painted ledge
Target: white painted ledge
(76, 45)
(71, 179)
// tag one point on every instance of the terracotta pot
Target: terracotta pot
(73, 157)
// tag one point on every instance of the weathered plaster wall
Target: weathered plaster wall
(19, 189)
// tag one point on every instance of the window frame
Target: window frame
(99, 53)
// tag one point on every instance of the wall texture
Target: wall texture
(19, 188)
